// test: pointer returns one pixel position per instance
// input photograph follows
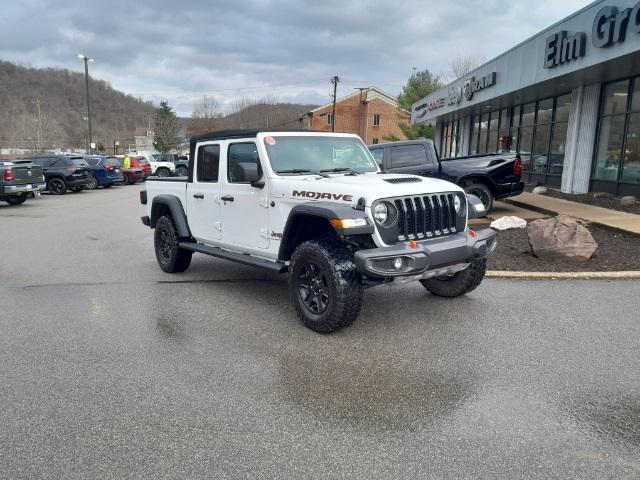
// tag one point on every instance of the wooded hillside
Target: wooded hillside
(60, 96)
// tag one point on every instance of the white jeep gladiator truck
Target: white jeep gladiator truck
(315, 205)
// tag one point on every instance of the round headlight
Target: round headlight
(457, 203)
(380, 213)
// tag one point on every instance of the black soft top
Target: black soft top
(247, 133)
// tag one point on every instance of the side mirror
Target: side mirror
(249, 173)
(476, 207)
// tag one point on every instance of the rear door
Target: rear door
(410, 159)
(203, 194)
(245, 211)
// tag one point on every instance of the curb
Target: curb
(624, 275)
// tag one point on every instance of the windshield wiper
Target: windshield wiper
(342, 169)
(303, 170)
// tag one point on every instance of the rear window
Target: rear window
(79, 162)
(92, 161)
(115, 162)
(142, 160)
(408, 155)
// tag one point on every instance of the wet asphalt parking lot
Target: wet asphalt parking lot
(110, 368)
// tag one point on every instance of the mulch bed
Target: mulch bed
(601, 199)
(616, 251)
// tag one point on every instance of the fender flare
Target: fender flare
(326, 211)
(177, 212)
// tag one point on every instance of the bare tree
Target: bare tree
(462, 65)
(205, 116)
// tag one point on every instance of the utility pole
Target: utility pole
(39, 133)
(335, 81)
(86, 81)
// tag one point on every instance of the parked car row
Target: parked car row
(59, 174)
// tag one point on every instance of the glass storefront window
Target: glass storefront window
(631, 162)
(474, 138)
(615, 98)
(528, 114)
(540, 149)
(635, 98)
(515, 122)
(609, 147)
(563, 106)
(526, 139)
(558, 147)
(545, 111)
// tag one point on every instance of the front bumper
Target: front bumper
(19, 189)
(424, 256)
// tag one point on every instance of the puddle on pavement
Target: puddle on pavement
(616, 420)
(371, 392)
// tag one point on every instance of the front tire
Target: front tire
(459, 283)
(325, 285)
(171, 258)
(16, 200)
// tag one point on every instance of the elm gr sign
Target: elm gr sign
(610, 26)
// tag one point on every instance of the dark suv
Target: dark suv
(64, 173)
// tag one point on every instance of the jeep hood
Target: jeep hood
(349, 188)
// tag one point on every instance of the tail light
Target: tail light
(108, 167)
(517, 167)
(8, 175)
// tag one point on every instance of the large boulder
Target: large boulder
(561, 236)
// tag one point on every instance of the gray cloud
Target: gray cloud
(289, 49)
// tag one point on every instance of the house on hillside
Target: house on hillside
(370, 112)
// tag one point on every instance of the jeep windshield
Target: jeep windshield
(299, 155)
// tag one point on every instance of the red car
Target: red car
(131, 175)
(143, 164)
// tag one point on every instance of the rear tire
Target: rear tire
(163, 172)
(125, 180)
(77, 189)
(182, 172)
(94, 184)
(459, 283)
(57, 186)
(171, 258)
(481, 191)
(16, 200)
(325, 285)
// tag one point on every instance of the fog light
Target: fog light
(397, 264)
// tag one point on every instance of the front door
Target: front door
(245, 209)
(203, 195)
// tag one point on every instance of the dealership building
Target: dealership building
(567, 100)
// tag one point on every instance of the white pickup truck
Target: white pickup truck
(315, 205)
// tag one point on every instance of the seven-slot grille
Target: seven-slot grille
(425, 216)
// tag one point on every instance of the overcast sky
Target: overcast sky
(164, 49)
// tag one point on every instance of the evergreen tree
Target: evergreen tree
(166, 129)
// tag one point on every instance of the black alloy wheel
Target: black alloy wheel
(57, 186)
(313, 288)
(481, 191)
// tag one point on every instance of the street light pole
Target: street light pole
(86, 81)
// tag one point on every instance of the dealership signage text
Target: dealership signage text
(609, 27)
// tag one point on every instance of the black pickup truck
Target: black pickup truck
(489, 177)
(19, 180)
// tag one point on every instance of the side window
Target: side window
(243, 163)
(208, 163)
(378, 155)
(408, 156)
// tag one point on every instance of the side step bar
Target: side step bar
(245, 259)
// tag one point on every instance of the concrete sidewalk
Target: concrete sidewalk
(627, 222)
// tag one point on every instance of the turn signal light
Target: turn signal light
(473, 234)
(349, 222)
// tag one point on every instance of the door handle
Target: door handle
(198, 195)
(227, 198)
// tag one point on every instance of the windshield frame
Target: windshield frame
(373, 167)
